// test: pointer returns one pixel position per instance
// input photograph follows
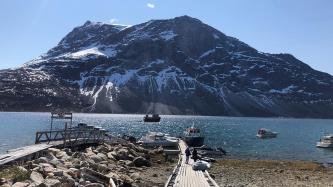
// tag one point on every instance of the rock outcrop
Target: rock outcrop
(89, 168)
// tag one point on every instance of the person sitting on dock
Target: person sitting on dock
(187, 154)
(195, 155)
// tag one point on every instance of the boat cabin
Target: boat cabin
(262, 131)
(193, 130)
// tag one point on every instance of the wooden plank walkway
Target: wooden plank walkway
(16, 154)
(22, 153)
(187, 177)
(83, 134)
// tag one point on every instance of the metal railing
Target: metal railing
(71, 137)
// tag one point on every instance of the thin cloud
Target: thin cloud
(150, 5)
(113, 20)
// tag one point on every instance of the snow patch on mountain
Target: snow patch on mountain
(121, 27)
(85, 52)
(207, 53)
(167, 35)
(216, 36)
(155, 62)
(286, 90)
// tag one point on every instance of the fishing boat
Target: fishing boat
(193, 137)
(157, 139)
(152, 118)
(326, 141)
(266, 133)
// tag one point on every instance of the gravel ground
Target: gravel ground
(262, 173)
(158, 173)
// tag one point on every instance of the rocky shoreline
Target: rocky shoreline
(262, 173)
(128, 165)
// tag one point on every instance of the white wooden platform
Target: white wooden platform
(187, 177)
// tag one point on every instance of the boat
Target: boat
(157, 139)
(266, 133)
(129, 138)
(326, 141)
(209, 151)
(152, 118)
(193, 137)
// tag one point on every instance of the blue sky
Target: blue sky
(303, 28)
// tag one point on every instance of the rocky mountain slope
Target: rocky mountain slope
(174, 66)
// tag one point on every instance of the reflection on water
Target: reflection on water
(296, 139)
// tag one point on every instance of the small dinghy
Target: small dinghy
(209, 151)
(266, 133)
(200, 165)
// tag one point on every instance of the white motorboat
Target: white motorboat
(266, 133)
(156, 139)
(326, 141)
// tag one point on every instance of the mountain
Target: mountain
(174, 66)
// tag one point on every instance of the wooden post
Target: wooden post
(71, 119)
(65, 134)
(51, 124)
(36, 140)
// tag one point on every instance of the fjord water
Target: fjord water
(296, 139)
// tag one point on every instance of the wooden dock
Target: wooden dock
(185, 176)
(55, 138)
(24, 152)
(69, 136)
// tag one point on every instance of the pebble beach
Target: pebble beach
(264, 173)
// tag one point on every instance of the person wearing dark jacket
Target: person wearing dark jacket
(187, 154)
(195, 155)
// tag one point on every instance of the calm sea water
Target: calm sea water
(296, 139)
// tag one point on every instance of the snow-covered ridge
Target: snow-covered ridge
(83, 54)
(107, 51)
(99, 24)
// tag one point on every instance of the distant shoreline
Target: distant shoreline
(142, 114)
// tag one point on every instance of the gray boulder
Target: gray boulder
(68, 182)
(94, 185)
(89, 152)
(103, 156)
(96, 158)
(20, 184)
(140, 161)
(3, 181)
(111, 155)
(122, 154)
(102, 149)
(50, 183)
(58, 172)
(62, 155)
(75, 173)
(36, 177)
(41, 160)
